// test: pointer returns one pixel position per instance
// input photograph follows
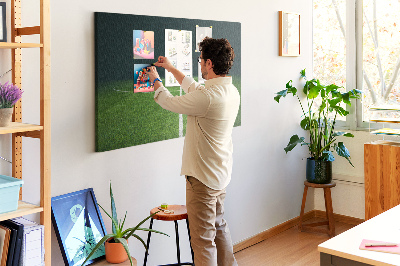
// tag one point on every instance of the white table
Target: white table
(344, 248)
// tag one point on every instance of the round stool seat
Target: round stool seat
(308, 184)
(180, 213)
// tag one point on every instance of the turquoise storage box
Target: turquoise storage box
(9, 193)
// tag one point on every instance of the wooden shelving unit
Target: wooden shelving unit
(42, 131)
(8, 45)
(24, 208)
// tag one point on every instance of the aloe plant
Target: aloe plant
(119, 234)
(320, 124)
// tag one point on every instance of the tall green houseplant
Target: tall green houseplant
(324, 103)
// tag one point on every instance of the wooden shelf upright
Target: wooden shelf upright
(42, 131)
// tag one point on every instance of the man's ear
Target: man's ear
(209, 63)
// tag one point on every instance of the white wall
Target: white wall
(267, 184)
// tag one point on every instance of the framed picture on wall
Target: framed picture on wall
(78, 226)
(3, 26)
(289, 34)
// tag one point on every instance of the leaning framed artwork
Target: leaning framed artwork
(78, 226)
(289, 34)
(3, 26)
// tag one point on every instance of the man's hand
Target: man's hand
(152, 72)
(165, 63)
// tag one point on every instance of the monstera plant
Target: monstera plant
(324, 103)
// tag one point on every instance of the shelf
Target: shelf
(16, 127)
(385, 120)
(24, 208)
(9, 45)
(387, 131)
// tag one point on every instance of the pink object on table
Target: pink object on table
(386, 249)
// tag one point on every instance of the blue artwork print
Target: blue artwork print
(78, 226)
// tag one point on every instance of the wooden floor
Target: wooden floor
(290, 247)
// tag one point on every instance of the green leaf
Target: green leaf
(355, 94)
(343, 151)
(102, 240)
(322, 106)
(115, 223)
(331, 87)
(346, 98)
(113, 211)
(126, 247)
(349, 135)
(152, 230)
(122, 225)
(305, 123)
(138, 225)
(303, 73)
(323, 93)
(280, 94)
(292, 90)
(338, 133)
(294, 140)
(341, 111)
(309, 85)
(140, 239)
(313, 92)
(327, 156)
(333, 102)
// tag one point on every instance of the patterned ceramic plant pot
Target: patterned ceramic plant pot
(115, 252)
(5, 116)
(318, 172)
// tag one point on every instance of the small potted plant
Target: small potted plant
(320, 123)
(116, 243)
(9, 95)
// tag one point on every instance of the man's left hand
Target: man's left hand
(152, 72)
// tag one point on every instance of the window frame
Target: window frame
(354, 70)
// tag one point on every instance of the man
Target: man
(207, 154)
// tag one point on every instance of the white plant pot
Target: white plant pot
(5, 116)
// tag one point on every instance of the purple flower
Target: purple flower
(9, 95)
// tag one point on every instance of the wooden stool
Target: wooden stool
(180, 213)
(328, 207)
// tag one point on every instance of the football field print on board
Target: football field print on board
(126, 113)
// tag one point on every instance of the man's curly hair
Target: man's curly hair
(220, 52)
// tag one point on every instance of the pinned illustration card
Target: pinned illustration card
(141, 79)
(178, 49)
(201, 33)
(143, 44)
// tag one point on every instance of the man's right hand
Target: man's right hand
(165, 63)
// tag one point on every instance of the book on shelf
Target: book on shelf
(5, 234)
(32, 250)
(11, 245)
(16, 254)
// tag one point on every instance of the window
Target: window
(363, 54)
(329, 66)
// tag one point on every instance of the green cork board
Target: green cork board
(125, 118)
